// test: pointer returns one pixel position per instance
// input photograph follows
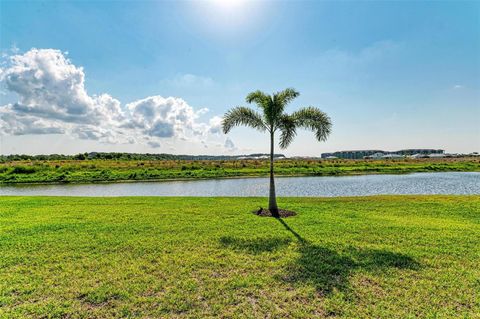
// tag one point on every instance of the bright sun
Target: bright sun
(227, 17)
(229, 3)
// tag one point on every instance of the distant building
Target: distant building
(425, 151)
(360, 154)
(417, 155)
(392, 156)
(436, 155)
(352, 154)
(375, 156)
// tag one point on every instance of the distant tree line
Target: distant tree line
(123, 156)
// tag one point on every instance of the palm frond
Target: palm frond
(264, 102)
(258, 97)
(287, 126)
(279, 103)
(286, 96)
(242, 116)
(313, 119)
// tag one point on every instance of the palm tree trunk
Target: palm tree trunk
(272, 201)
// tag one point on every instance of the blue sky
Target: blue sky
(391, 75)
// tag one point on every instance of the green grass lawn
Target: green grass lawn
(365, 257)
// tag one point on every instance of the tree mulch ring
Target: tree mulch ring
(262, 212)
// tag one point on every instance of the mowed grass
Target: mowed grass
(364, 257)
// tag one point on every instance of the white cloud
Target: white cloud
(366, 55)
(191, 80)
(164, 117)
(50, 86)
(458, 86)
(22, 124)
(215, 124)
(97, 133)
(52, 99)
(153, 144)
(229, 145)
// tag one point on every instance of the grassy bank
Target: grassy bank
(86, 171)
(372, 257)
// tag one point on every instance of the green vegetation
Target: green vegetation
(370, 257)
(121, 156)
(85, 171)
(272, 118)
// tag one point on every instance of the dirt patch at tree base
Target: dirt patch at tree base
(283, 213)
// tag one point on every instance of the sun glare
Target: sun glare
(229, 4)
(226, 18)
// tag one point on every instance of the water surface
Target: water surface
(418, 183)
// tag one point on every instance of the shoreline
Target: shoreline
(112, 171)
(159, 180)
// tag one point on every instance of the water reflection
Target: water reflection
(420, 183)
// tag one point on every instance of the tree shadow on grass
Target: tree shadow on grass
(254, 246)
(322, 267)
(328, 270)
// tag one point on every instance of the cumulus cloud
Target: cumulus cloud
(50, 86)
(96, 133)
(52, 99)
(22, 124)
(215, 125)
(153, 144)
(163, 117)
(229, 145)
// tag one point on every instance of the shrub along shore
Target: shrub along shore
(89, 171)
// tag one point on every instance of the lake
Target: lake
(360, 185)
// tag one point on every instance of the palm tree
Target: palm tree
(272, 119)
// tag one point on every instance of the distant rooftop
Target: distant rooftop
(358, 154)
